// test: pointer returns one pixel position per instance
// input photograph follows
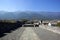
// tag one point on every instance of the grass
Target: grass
(58, 24)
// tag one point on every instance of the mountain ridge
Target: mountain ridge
(29, 15)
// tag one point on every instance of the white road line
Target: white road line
(29, 34)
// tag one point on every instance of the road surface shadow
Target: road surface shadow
(6, 27)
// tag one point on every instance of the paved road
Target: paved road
(15, 35)
(31, 33)
(45, 34)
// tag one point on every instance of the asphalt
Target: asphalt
(14, 35)
(46, 34)
(31, 33)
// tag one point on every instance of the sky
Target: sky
(30, 5)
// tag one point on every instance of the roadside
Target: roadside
(51, 28)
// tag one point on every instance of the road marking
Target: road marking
(29, 34)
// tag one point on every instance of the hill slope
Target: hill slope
(29, 15)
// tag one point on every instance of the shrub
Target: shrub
(58, 24)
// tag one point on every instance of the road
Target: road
(14, 35)
(45, 34)
(31, 33)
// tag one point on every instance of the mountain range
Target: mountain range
(29, 15)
